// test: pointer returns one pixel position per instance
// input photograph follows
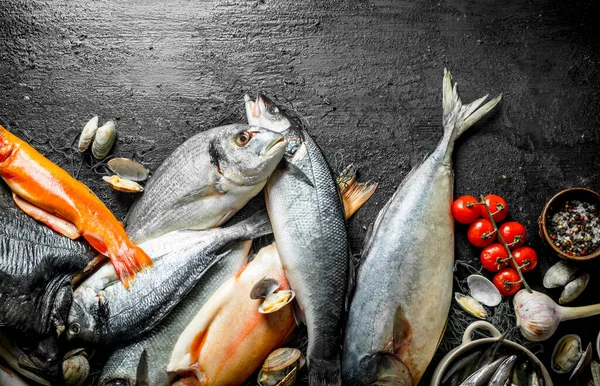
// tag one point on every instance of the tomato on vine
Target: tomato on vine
(526, 258)
(465, 209)
(492, 257)
(497, 205)
(507, 281)
(514, 233)
(481, 233)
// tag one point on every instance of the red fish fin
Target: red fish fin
(53, 222)
(127, 264)
(355, 197)
(96, 243)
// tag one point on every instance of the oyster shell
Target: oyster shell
(128, 169)
(104, 140)
(483, 290)
(566, 354)
(470, 305)
(559, 275)
(574, 288)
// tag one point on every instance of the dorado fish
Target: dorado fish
(404, 284)
(50, 195)
(114, 314)
(206, 180)
(309, 226)
(228, 338)
(126, 365)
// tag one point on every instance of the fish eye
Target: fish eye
(243, 138)
(74, 329)
(273, 111)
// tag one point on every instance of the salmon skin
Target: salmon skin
(51, 195)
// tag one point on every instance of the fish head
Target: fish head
(82, 320)
(37, 358)
(265, 113)
(246, 155)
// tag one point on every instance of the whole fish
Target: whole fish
(50, 195)
(122, 366)
(206, 180)
(484, 374)
(229, 339)
(504, 372)
(36, 267)
(309, 226)
(114, 314)
(404, 283)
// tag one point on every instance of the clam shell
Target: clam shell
(282, 358)
(76, 370)
(276, 301)
(574, 288)
(559, 275)
(87, 135)
(483, 290)
(566, 354)
(104, 140)
(584, 361)
(595, 367)
(123, 185)
(128, 169)
(264, 288)
(470, 305)
(289, 379)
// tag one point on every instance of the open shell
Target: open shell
(122, 184)
(484, 290)
(574, 288)
(104, 140)
(283, 358)
(87, 135)
(264, 288)
(566, 354)
(559, 275)
(278, 378)
(276, 301)
(584, 361)
(128, 169)
(595, 367)
(470, 305)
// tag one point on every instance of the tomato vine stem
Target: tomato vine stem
(503, 242)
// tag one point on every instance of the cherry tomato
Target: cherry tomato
(513, 232)
(507, 281)
(526, 258)
(497, 206)
(481, 233)
(463, 211)
(491, 255)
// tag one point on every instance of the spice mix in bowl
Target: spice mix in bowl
(570, 224)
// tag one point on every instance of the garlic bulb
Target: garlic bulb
(538, 316)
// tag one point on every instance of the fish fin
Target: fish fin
(347, 178)
(393, 372)
(254, 226)
(355, 197)
(264, 287)
(142, 378)
(322, 372)
(457, 117)
(296, 172)
(402, 331)
(53, 222)
(211, 190)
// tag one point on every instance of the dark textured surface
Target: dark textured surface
(366, 75)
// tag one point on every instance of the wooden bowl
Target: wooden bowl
(581, 194)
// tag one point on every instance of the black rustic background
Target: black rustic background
(365, 74)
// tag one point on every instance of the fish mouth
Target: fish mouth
(252, 107)
(274, 147)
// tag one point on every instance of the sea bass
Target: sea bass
(113, 314)
(50, 195)
(206, 180)
(36, 268)
(404, 284)
(146, 360)
(229, 339)
(309, 226)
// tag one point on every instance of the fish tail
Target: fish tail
(356, 195)
(127, 264)
(458, 117)
(324, 372)
(253, 227)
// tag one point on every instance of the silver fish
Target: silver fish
(483, 375)
(206, 180)
(114, 314)
(404, 283)
(309, 226)
(124, 363)
(504, 372)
